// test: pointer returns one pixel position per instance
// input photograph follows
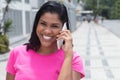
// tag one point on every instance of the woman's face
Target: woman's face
(48, 28)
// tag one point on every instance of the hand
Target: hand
(67, 46)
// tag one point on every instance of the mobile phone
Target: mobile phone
(60, 42)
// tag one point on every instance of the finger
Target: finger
(65, 32)
(62, 34)
(61, 37)
(66, 38)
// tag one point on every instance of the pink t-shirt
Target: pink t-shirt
(29, 65)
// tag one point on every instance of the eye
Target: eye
(42, 23)
(55, 26)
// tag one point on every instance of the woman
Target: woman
(40, 59)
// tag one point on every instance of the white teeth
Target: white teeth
(46, 37)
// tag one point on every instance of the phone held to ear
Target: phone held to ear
(60, 42)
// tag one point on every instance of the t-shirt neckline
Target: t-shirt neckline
(50, 54)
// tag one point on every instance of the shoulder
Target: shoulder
(77, 59)
(22, 47)
(18, 49)
(77, 64)
(76, 55)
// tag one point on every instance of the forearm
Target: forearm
(9, 76)
(66, 70)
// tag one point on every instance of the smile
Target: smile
(47, 37)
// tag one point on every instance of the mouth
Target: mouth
(47, 37)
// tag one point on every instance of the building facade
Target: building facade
(19, 12)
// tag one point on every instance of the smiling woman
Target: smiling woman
(40, 59)
(48, 28)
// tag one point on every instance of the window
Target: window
(16, 29)
(27, 1)
(17, 0)
(27, 18)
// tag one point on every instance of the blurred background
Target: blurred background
(95, 26)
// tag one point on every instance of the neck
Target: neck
(47, 50)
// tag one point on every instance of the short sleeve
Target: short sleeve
(10, 64)
(77, 64)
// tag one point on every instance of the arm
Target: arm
(76, 75)
(66, 72)
(9, 76)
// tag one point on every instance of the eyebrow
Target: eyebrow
(45, 22)
(42, 20)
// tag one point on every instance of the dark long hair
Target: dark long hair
(52, 7)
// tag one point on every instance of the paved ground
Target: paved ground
(100, 50)
(113, 26)
(98, 47)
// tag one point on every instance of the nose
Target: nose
(47, 31)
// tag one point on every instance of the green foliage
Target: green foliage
(105, 8)
(7, 25)
(4, 41)
(115, 11)
(4, 44)
(92, 5)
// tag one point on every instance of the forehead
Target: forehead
(51, 17)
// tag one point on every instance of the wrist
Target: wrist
(69, 55)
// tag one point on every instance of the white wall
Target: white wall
(0, 10)
(34, 4)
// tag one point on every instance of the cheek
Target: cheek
(57, 32)
(38, 29)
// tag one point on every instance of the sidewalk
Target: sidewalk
(98, 47)
(100, 50)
